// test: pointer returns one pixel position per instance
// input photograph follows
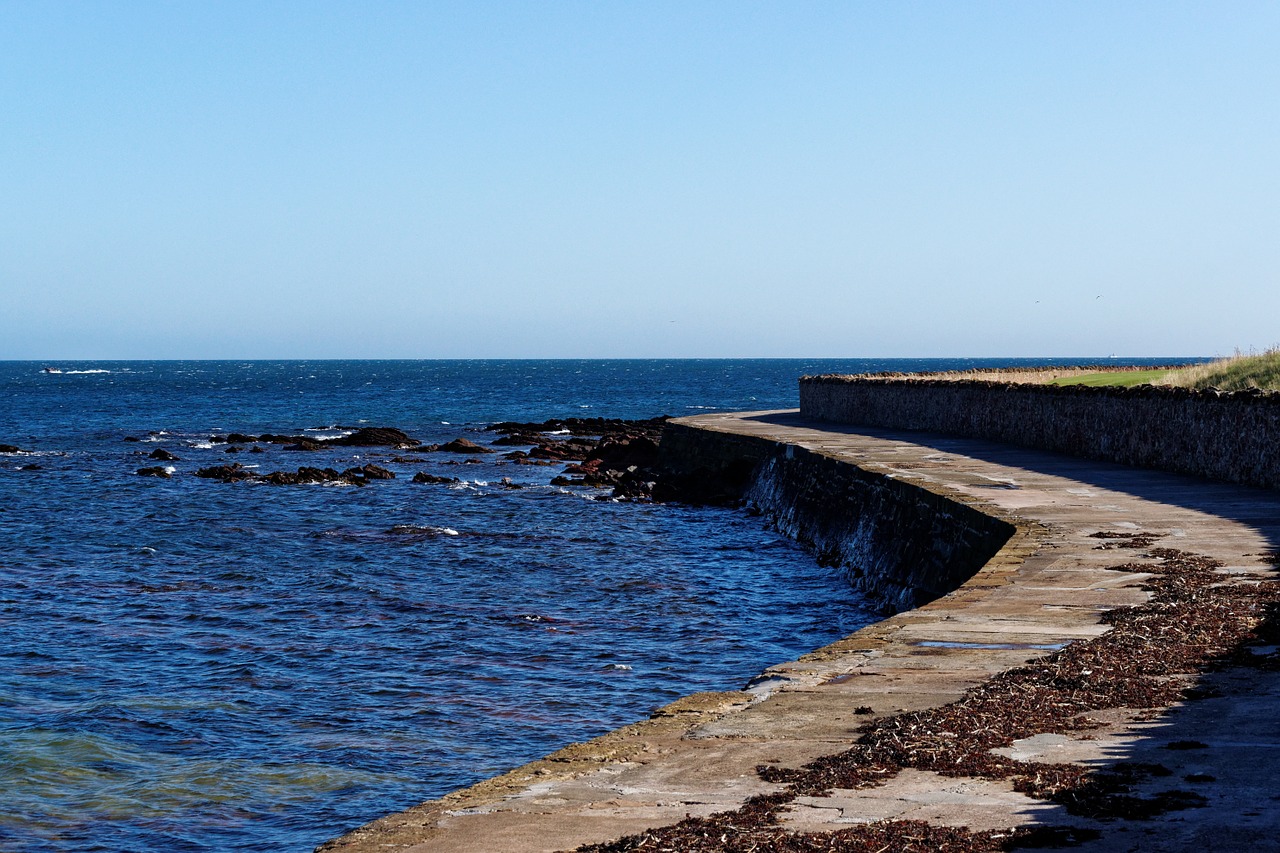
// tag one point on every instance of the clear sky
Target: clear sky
(599, 179)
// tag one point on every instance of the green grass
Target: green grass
(1239, 373)
(1121, 378)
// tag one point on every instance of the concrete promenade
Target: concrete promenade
(1046, 588)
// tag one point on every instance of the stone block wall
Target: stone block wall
(898, 543)
(1234, 437)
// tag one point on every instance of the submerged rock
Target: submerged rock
(155, 471)
(9, 448)
(417, 532)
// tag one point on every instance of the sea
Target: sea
(191, 665)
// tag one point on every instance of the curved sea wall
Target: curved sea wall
(1223, 436)
(903, 544)
(900, 544)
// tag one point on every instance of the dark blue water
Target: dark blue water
(192, 665)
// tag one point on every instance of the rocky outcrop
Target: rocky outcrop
(421, 477)
(233, 473)
(162, 455)
(598, 427)
(463, 445)
(155, 471)
(374, 437)
(10, 448)
(305, 475)
(370, 472)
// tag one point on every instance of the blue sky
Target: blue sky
(609, 179)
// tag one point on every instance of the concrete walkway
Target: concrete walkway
(1046, 588)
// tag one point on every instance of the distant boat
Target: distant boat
(51, 370)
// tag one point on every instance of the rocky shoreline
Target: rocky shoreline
(594, 453)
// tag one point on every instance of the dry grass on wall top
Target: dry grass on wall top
(1237, 373)
(1241, 372)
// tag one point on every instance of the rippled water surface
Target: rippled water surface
(192, 665)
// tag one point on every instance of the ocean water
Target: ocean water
(193, 665)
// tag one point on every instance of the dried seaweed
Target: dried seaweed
(1196, 620)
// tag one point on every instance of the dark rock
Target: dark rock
(233, 473)
(163, 455)
(508, 483)
(303, 444)
(565, 481)
(420, 477)
(519, 439)
(235, 448)
(620, 454)
(32, 467)
(9, 448)
(370, 472)
(132, 438)
(573, 448)
(307, 475)
(635, 484)
(256, 449)
(240, 438)
(463, 445)
(375, 437)
(157, 471)
(651, 427)
(604, 478)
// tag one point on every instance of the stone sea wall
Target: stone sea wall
(1234, 437)
(898, 543)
